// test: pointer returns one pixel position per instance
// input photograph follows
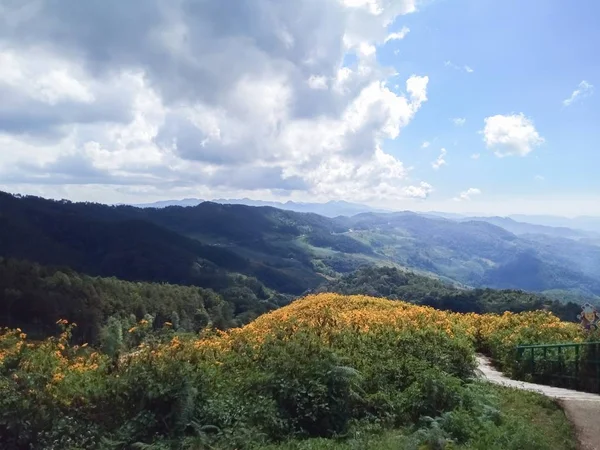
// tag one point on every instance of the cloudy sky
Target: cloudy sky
(483, 106)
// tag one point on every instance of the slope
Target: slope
(287, 251)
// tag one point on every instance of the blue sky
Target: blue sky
(133, 102)
(527, 57)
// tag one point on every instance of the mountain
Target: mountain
(478, 253)
(166, 203)
(285, 251)
(329, 209)
(521, 228)
(587, 223)
(201, 245)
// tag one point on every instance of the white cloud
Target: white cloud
(475, 156)
(467, 195)
(190, 98)
(450, 64)
(539, 178)
(584, 89)
(459, 121)
(512, 135)
(44, 78)
(399, 35)
(421, 191)
(440, 161)
(425, 144)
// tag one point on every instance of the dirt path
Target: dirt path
(582, 408)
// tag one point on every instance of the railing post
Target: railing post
(560, 365)
(577, 366)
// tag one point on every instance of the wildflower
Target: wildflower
(58, 377)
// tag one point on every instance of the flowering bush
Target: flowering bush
(312, 368)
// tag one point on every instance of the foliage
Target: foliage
(393, 283)
(284, 250)
(324, 366)
(34, 297)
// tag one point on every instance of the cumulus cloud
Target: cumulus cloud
(191, 95)
(425, 144)
(475, 156)
(459, 121)
(511, 135)
(584, 89)
(421, 191)
(467, 195)
(440, 161)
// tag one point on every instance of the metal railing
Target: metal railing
(572, 365)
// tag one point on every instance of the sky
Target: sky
(472, 106)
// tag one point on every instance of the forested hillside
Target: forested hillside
(391, 283)
(286, 251)
(35, 297)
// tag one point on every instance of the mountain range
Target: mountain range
(343, 208)
(328, 209)
(291, 252)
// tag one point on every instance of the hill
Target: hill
(391, 283)
(328, 209)
(327, 371)
(521, 228)
(286, 251)
(35, 297)
(481, 254)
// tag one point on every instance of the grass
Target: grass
(529, 421)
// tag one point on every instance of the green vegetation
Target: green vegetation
(287, 252)
(34, 297)
(148, 365)
(524, 420)
(347, 371)
(395, 284)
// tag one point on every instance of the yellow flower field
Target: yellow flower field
(306, 369)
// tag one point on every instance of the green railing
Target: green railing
(572, 365)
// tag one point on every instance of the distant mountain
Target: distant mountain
(166, 203)
(521, 228)
(588, 223)
(288, 251)
(329, 209)
(443, 215)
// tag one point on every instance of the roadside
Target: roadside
(581, 408)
